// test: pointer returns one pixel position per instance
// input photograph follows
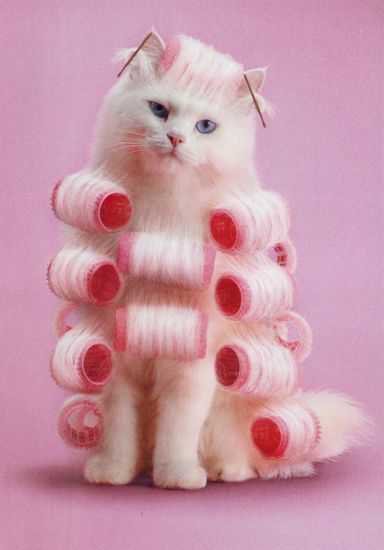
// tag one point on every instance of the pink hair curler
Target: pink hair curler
(80, 422)
(91, 204)
(82, 361)
(258, 368)
(254, 293)
(161, 331)
(301, 344)
(289, 432)
(83, 276)
(284, 254)
(246, 228)
(166, 259)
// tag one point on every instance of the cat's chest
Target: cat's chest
(180, 215)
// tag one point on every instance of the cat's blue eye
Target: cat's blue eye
(206, 126)
(159, 110)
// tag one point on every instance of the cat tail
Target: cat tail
(343, 423)
(228, 450)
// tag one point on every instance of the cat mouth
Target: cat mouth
(169, 154)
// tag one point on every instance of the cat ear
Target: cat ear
(256, 78)
(154, 46)
(139, 62)
(249, 92)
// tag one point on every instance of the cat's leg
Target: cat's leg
(224, 446)
(184, 393)
(117, 457)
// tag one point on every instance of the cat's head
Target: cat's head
(181, 106)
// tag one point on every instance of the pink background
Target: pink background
(323, 151)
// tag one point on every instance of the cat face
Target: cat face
(186, 118)
(168, 126)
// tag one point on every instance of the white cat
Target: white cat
(176, 131)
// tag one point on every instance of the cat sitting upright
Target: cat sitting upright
(176, 134)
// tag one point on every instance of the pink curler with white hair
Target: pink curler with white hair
(161, 331)
(301, 343)
(259, 368)
(91, 204)
(250, 293)
(289, 432)
(80, 422)
(250, 227)
(83, 276)
(82, 361)
(166, 259)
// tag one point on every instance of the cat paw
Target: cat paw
(180, 475)
(232, 472)
(305, 469)
(104, 469)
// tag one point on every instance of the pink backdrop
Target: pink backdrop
(323, 152)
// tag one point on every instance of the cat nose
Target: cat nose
(175, 139)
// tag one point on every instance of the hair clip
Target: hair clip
(255, 101)
(135, 52)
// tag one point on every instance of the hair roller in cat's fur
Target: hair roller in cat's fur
(82, 361)
(166, 259)
(245, 226)
(260, 368)
(288, 432)
(284, 254)
(161, 331)
(80, 421)
(261, 289)
(90, 203)
(301, 345)
(83, 276)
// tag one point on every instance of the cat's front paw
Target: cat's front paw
(231, 472)
(104, 469)
(305, 469)
(180, 475)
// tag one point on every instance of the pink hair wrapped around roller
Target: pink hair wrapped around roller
(254, 292)
(254, 226)
(82, 361)
(161, 331)
(260, 368)
(92, 204)
(83, 276)
(166, 259)
(289, 432)
(80, 422)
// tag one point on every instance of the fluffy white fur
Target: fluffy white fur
(168, 415)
